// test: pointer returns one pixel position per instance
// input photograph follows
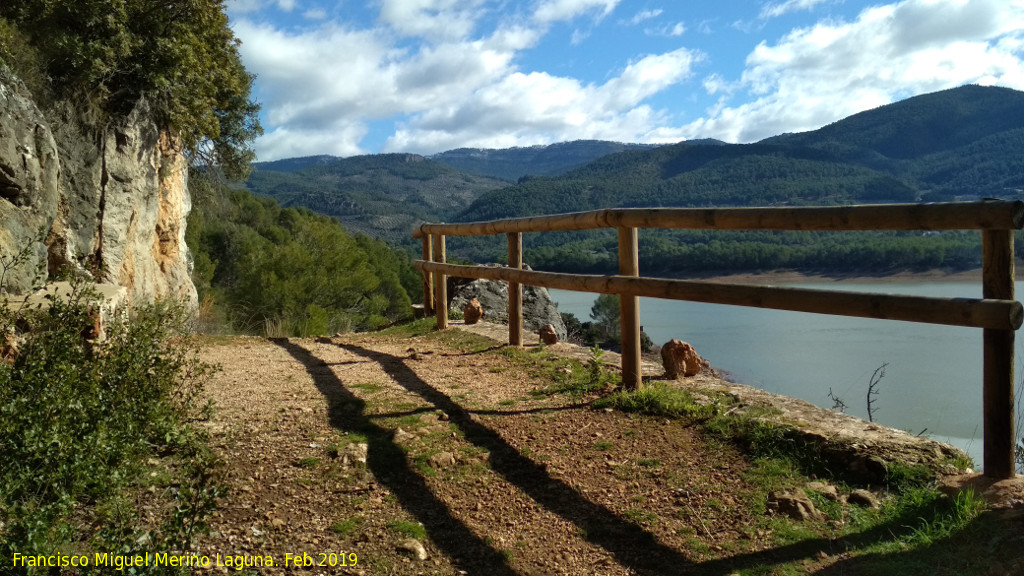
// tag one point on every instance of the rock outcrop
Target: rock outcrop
(538, 308)
(109, 204)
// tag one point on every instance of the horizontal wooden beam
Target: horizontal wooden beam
(969, 312)
(981, 215)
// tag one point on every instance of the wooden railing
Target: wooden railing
(997, 313)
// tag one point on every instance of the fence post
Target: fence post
(997, 283)
(515, 291)
(428, 279)
(629, 308)
(440, 285)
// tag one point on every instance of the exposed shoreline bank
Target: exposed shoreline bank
(794, 276)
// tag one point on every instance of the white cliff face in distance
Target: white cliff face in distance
(109, 203)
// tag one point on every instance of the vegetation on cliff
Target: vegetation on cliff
(104, 55)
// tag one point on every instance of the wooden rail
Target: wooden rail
(997, 313)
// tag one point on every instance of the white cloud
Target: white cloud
(670, 30)
(645, 15)
(431, 19)
(286, 5)
(315, 14)
(549, 11)
(820, 74)
(537, 107)
(776, 9)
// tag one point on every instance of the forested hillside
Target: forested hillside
(289, 271)
(382, 195)
(514, 163)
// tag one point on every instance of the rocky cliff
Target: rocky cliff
(108, 203)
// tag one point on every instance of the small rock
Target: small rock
(472, 312)
(864, 498)
(796, 506)
(548, 335)
(680, 359)
(826, 490)
(357, 451)
(442, 460)
(401, 436)
(413, 548)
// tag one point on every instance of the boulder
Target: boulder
(680, 359)
(538, 308)
(548, 335)
(472, 312)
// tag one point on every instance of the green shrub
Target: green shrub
(80, 419)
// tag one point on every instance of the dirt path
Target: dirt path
(490, 479)
(374, 446)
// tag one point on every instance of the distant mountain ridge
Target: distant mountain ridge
(545, 160)
(961, 143)
(385, 195)
(381, 195)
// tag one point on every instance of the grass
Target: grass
(661, 399)
(347, 526)
(408, 529)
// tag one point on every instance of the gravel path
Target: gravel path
(434, 455)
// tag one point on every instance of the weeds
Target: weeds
(661, 399)
(78, 418)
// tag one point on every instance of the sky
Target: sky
(349, 77)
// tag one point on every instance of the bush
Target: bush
(78, 420)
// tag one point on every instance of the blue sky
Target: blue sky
(367, 76)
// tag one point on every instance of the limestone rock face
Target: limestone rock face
(29, 176)
(680, 359)
(109, 204)
(538, 308)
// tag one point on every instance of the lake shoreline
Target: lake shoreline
(784, 276)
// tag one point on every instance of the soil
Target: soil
(355, 445)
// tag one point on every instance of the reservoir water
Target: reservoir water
(932, 383)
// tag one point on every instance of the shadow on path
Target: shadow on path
(631, 545)
(389, 465)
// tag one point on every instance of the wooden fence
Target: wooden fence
(997, 313)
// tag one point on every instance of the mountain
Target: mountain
(513, 163)
(381, 195)
(959, 143)
(294, 164)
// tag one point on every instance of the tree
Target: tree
(180, 55)
(607, 317)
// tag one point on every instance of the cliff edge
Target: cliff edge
(108, 203)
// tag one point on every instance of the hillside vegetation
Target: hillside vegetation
(514, 163)
(382, 195)
(289, 271)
